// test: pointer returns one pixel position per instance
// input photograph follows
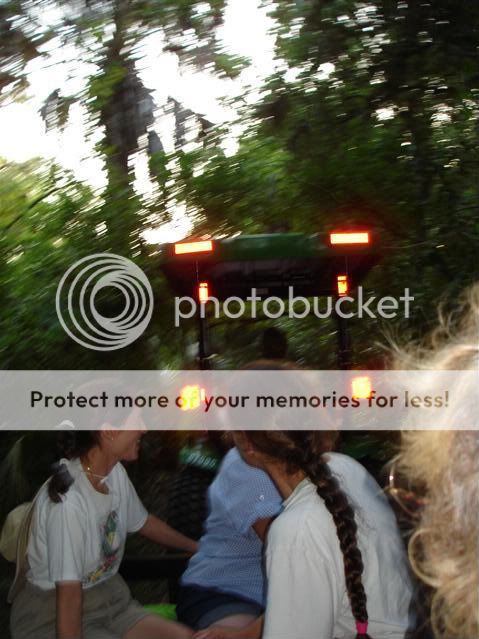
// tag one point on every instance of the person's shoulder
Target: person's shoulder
(231, 458)
(231, 455)
(73, 501)
(305, 527)
(76, 497)
(348, 468)
(246, 483)
(345, 462)
(304, 511)
(233, 464)
(235, 469)
(300, 528)
(365, 494)
(119, 473)
(119, 480)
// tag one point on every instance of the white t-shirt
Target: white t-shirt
(83, 537)
(307, 596)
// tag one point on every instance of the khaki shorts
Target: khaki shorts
(108, 612)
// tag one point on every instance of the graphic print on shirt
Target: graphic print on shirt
(110, 549)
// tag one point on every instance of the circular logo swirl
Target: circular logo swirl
(77, 301)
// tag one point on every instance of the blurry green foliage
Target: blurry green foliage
(370, 118)
(49, 221)
(102, 87)
(230, 65)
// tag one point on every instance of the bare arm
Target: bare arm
(69, 610)
(261, 527)
(159, 532)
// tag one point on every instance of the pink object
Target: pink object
(362, 627)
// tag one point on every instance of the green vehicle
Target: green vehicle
(259, 266)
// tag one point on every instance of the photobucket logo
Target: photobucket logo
(77, 302)
(297, 307)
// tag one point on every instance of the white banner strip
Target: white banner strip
(239, 400)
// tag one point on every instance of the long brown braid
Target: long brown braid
(304, 450)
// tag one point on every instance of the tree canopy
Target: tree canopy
(370, 117)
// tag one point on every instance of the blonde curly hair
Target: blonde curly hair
(444, 549)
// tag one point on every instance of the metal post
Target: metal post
(203, 359)
(344, 343)
(203, 346)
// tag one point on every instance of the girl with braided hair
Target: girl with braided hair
(335, 561)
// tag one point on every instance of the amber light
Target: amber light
(342, 285)
(203, 292)
(183, 248)
(350, 238)
(191, 397)
(361, 387)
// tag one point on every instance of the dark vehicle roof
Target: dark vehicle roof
(270, 264)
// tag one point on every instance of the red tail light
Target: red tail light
(184, 248)
(361, 387)
(191, 397)
(203, 292)
(342, 285)
(356, 237)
